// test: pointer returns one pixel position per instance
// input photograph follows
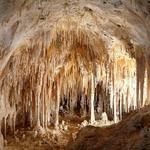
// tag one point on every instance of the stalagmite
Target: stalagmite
(58, 103)
(1, 139)
(31, 110)
(115, 110)
(14, 123)
(5, 127)
(92, 119)
(120, 107)
(148, 80)
(38, 124)
(38, 95)
(140, 69)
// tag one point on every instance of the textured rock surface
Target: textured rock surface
(132, 133)
(85, 57)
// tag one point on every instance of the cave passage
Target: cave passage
(71, 60)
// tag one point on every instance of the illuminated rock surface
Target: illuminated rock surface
(76, 58)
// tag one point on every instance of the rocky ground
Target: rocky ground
(50, 139)
(133, 133)
(28, 139)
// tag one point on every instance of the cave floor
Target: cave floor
(133, 132)
(25, 139)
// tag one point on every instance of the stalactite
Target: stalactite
(34, 72)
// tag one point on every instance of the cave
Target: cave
(74, 75)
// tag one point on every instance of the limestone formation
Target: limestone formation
(72, 57)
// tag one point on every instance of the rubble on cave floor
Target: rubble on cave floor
(131, 133)
(28, 140)
(50, 138)
(102, 122)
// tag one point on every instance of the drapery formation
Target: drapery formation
(40, 77)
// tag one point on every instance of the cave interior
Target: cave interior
(71, 62)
